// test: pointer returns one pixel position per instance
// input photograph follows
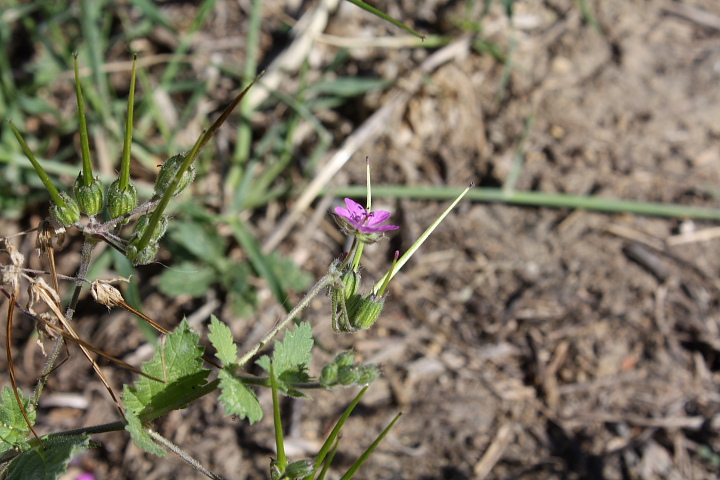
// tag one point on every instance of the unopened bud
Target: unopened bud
(167, 174)
(368, 374)
(300, 468)
(142, 257)
(351, 282)
(89, 197)
(366, 312)
(142, 224)
(344, 359)
(349, 375)
(68, 214)
(329, 374)
(121, 201)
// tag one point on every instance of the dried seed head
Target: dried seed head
(39, 290)
(45, 332)
(106, 294)
(46, 231)
(10, 274)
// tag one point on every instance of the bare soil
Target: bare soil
(520, 342)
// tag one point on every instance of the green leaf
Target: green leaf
(51, 463)
(384, 16)
(221, 338)
(138, 431)
(237, 399)
(195, 280)
(348, 86)
(199, 238)
(292, 354)
(289, 274)
(178, 362)
(241, 297)
(13, 428)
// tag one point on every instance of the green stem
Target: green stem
(281, 460)
(84, 142)
(182, 454)
(54, 194)
(323, 283)
(127, 144)
(385, 17)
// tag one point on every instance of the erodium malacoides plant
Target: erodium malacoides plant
(177, 374)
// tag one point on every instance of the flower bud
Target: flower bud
(344, 359)
(142, 224)
(167, 174)
(366, 312)
(121, 201)
(349, 375)
(89, 197)
(68, 214)
(329, 374)
(368, 374)
(142, 257)
(300, 468)
(351, 282)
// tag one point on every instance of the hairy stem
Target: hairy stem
(324, 282)
(182, 454)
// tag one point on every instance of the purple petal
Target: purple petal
(355, 208)
(381, 228)
(377, 217)
(341, 212)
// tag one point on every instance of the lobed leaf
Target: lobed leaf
(51, 463)
(237, 399)
(221, 338)
(179, 362)
(13, 428)
(293, 353)
(138, 431)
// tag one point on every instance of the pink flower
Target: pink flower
(355, 220)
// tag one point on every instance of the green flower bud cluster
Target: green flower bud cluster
(350, 284)
(90, 196)
(167, 174)
(299, 469)
(67, 214)
(352, 311)
(363, 311)
(121, 201)
(89, 200)
(344, 371)
(147, 254)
